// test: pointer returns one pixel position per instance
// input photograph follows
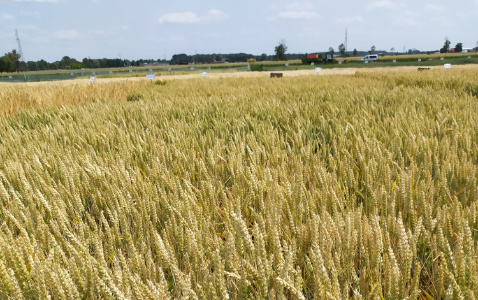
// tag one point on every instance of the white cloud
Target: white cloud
(188, 17)
(216, 15)
(299, 15)
(354, 19)
(29, 27)
(407, 22)
(66, 34)
(40, 1)
(435, 7)
(386, 4)
(5, 16)
(302, 5)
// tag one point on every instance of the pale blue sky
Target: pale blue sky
(51, 29)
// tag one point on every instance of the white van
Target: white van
(370, 57)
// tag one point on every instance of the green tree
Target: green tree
(3, 65)
(355, 52)
(280, 50)
(459, 47)
(331, 51)
(10, 62)
(446, 46)
(372, 50)
(342, 50)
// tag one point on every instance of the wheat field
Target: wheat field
(309, 187)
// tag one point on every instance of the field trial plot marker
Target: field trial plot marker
(204, 74)
(150, 76)
(447, 66)
(92, 79)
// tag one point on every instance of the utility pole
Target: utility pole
(20, 51)
(345, 39)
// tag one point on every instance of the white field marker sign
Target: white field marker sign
(287, 65)
(72, 74)
(394, 61)
(447, 66)
(317, 70)
(9, 77)
(150, 76)
(311, 63)
(366, 61)
(340, 62)
(192, 68)
(209, 68)
(204, 74)
(441, 58)
(469, 56)
(131, 71)
(419, 59)
(169, 69)
(151, 70)
(92, 79)
(111, 72)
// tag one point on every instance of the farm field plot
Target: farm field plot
(358, 186)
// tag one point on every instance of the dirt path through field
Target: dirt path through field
(324, 72)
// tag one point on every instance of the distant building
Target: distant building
(466, 50)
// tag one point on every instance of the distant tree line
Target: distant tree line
(225, 58)
(10, 62)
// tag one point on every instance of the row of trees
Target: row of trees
(446, 47)
(10, 62)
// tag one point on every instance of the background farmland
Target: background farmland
(325, 187)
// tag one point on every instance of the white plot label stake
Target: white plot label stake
(317, 70)
(447, 66)
(204, 74)
(150, 76)
(92, 79)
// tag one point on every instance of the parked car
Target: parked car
(370, 57)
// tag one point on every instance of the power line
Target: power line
(20, 51)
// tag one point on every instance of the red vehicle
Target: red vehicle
(317, 58)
